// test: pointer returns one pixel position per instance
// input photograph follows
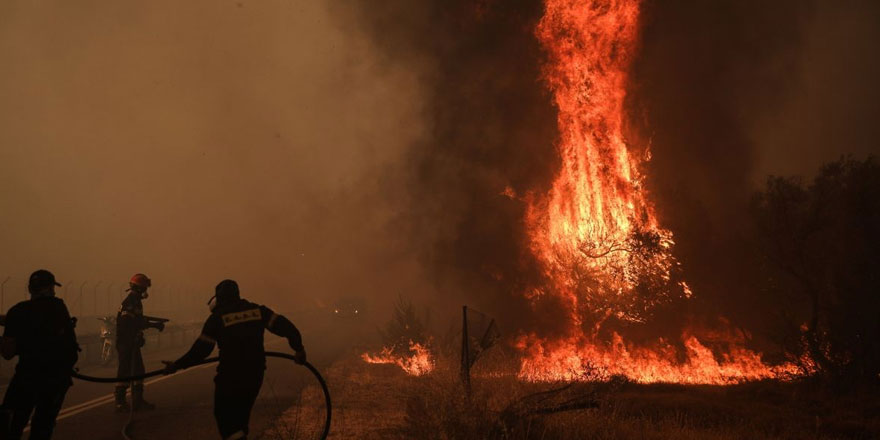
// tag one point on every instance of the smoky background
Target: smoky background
(199, 141)
(326, 149)
(729, 93)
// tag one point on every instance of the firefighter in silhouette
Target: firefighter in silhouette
(41, 332)
(130, 326)
(237, 326)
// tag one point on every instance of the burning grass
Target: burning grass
(575, 359)
(417, 360)
(381, 401)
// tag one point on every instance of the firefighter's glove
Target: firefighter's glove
(170, 367)
(297, 347)
(299, 356)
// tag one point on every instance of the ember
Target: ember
(416, 362)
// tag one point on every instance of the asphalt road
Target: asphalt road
(184, 400)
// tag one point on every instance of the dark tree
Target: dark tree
(819, 253)
(404, 327)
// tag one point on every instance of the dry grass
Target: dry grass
(381, 402)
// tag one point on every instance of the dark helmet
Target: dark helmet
(226, 291)
(40, 280)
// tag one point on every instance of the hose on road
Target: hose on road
(290, 357)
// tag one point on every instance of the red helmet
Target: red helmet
(140, 280)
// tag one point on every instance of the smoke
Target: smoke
(489, 140)
(835, 96)
(729, 92)
(200, 141)
(703, 72)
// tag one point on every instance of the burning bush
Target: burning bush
(405, 327)
(405, 341)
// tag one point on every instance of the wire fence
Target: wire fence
(98, 298)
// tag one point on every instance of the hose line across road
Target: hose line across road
(289, 357)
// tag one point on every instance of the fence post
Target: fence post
(109, 301)
(80, 297)
(109, 307)
(66, 289)
(95, 298)
(3, 293)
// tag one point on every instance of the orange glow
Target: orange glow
(595, 232)
(417, 362)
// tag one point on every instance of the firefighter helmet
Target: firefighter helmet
(140, 280)
(227, 290)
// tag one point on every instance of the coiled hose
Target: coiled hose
(290, 357)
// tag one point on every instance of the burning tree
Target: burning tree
(604, 254)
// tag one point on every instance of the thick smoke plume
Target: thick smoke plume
(489, 140)
(729, 92)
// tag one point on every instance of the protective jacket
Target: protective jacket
(45, 341)
(130, 321)
(237, 327)
(46, 346)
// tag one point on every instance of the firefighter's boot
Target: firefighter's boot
(121, 404)
(137, 399)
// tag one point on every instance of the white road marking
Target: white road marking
(73, 410)
(94, 403)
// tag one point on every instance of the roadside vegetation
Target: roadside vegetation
(382, 402)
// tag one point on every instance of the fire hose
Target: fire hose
(149, 374)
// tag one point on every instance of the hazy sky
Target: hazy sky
(195, 141)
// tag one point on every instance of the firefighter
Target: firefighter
(237, 326)
(41, 332)
(130, 326)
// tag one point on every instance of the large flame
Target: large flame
(417, 361)
(595, 232)
(596, 217)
